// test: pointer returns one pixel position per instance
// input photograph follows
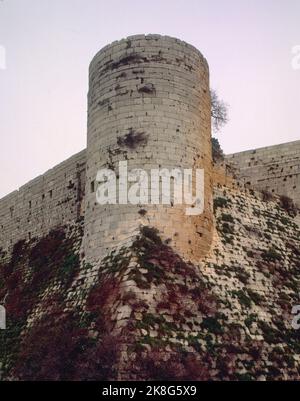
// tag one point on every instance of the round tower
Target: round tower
(148, 107)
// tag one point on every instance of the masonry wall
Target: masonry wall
(149, 104)
(48, 201)
(226, 318)
(273, 168)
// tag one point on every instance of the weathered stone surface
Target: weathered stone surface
(149, 104)
(144, 306)
(274, 168)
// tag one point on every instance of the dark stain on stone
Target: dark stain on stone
(148, 89)
(133, 139)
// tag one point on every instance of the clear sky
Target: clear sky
(48, 45)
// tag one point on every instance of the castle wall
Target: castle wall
(273, 168)
(148, 104)
(49, 200)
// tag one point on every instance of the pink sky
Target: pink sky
(49, 44)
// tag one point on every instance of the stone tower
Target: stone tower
(148, 105)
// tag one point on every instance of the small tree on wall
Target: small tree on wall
(219, 117)
(219, 111)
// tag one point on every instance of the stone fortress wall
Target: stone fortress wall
(57, 197)
(273, 168)
(149, 105)
(50, 200)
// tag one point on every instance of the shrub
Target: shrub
(220, 203)
(212, 325)
(288, 205)
(18, 252)
(227, 228)
(250, 254)
(285, 221)
(100, 294)
(271, 255)
(217, 152)
(179, 366)
(99, 360)
(69, 268)
(250, 320)
(243, 298)
(227, 217)
(46, 350)
(271, 335)
(151, 233)
(256, 298)
(57, 348)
